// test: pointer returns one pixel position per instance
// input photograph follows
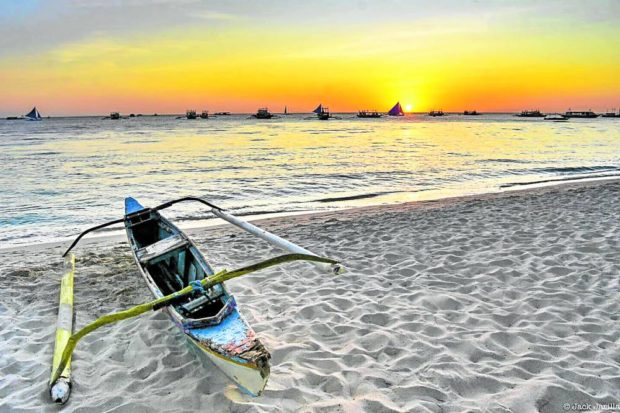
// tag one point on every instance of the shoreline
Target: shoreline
(283, 218)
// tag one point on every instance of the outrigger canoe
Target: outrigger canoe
(168, 261)
(186, 287)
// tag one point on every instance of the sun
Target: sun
(408, 107)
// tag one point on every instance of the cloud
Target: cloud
(31, 26)
(50, 24)
(214, 15)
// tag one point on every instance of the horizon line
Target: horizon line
(5, 116)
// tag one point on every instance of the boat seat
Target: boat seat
(161, 247)
(140, 217)
(188, 308)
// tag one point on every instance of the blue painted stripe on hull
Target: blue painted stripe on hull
(204, 333)
(232, 330)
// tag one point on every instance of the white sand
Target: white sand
(497, 303)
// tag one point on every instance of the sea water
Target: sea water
(63, 175)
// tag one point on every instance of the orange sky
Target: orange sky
(481, 56)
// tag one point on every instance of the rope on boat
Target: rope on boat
(171, 298)
(197, 286)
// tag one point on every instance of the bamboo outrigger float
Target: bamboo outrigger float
(189, 290)
(60, 388)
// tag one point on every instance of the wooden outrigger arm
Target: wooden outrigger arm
(273, 239)
(157, 208)
(244, 225)
(79, 237)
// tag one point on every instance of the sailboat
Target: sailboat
(397, 110)
(321, 112)
(285, 110)
(33, 114)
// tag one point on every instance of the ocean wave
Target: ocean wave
(577, 169)
(354, 197)
(566, 179)
(502, 160)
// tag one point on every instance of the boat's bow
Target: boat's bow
(132, 206)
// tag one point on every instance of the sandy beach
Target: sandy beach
(504, 303)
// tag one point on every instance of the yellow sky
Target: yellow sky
(449, 63)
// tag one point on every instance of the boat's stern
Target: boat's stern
(233, 346)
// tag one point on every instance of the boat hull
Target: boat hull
(224, 337)
(581, 115)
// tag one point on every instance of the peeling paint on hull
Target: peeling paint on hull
(250, 378)
(234, 348)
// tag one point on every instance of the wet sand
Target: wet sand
(504, 302)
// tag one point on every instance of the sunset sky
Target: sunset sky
(93, 57)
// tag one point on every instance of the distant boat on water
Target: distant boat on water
(204, 114)
(263, 113)
(397, 110)
(191, 114)
(222, 113)
(471, 113)
(285, 110)
(530, 114)
(556, 117)
(115, 115)
(368, 114)
(611, 114)
(322, 112)
(434, 113)
(581, 114)
(33, 115)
